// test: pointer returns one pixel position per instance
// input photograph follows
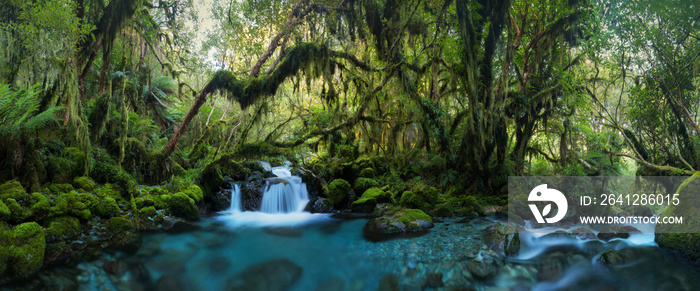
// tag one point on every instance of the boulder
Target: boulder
(503, 239)
(252, 191)
(583, 233)
(319, 205)
(340, 193)
(612, 258)
(220, 201)
(397, 221)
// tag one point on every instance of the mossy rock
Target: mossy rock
(367, 173)
(443, 210)
(149, 211)
(105, 207)
(212, 177)
(27, 250)
(362, 184)
(684, 237)
(181, 205)
(119, 224)
(339, 193)
(612, 258)
(377, 194)
(397, 220)
(74, 204)
(4, 212)
(40, 206)
(85, 183)
(422, 197)
(62, 228)
(18, 214)
(57, 189)
(363, 205)
(194, 192)
(12, 189)
(5, 243)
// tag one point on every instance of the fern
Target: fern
(19, 112)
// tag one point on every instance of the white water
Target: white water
(236, 205)
(282, 204)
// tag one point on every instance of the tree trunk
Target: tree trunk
(172, 143)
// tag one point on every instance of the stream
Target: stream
(285, 248)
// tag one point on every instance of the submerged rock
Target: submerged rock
(390, 282)
(397, 221)
(612, 258)
(278, 274)
(615, 231)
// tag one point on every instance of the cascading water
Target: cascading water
(236, 205)
(284, 194)
(283, 202)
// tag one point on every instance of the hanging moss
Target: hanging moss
(299, 57)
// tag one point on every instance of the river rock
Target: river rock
(252, 191)
(684, 237)
(220, 200)
(482, 268)
(583, 233)
(278, 274)
(615, 231)
(612, 258)
(397, 221)
(503, 239)
(319, 205)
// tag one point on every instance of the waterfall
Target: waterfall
(236, 205)
(284, 193)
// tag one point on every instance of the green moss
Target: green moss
(5, 243)
(18, 214)
(407, 216)
(367, 173)
(363, 205)
(377, 194)
(40, 206)
(85, 183)
(443, 210)
(182, 206)
(62, 228)
(422, 197)
(339, 192)
(4, 212)
(149, 211)
(119, 224)
(194, 192)
(362, 184)
(27, 250)
(73, 204)
(106, 207)
(12, 190)
(57, 189)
